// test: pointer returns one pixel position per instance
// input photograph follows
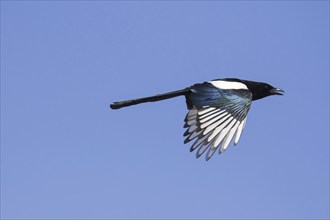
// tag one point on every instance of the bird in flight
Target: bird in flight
(217, 110)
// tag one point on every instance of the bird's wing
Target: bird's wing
(216, 115)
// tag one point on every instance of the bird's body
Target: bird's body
(217, 110)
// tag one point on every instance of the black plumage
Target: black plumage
(217, 110)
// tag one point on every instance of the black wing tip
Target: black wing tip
(207, 158)
(186, 133)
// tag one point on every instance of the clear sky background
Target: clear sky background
(66, 154)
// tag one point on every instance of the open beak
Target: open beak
(277, 91)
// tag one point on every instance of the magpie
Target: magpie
(217, 110)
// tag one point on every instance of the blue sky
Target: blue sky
(66, 154)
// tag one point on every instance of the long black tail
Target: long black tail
(117, 105)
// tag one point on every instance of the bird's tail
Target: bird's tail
(117, 105)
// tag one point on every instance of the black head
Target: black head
(260, 90)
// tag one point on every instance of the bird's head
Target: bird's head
(260, 90)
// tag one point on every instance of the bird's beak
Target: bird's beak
(276, 91)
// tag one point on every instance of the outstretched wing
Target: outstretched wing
(215, 116)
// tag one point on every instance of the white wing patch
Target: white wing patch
(206, 110)
(221, 84)
(214, 128)
(239, 130)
